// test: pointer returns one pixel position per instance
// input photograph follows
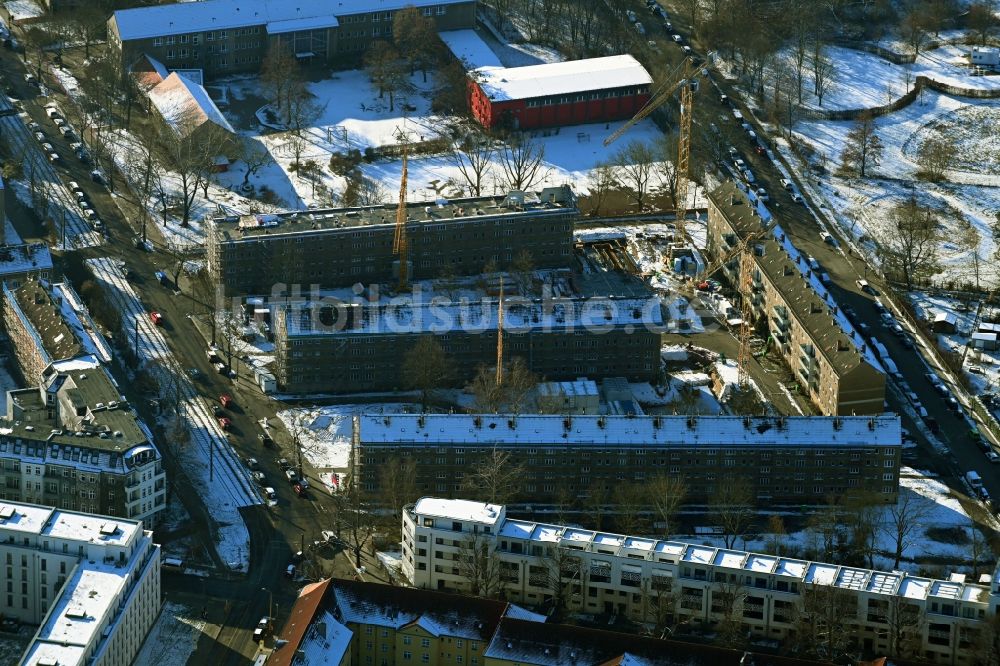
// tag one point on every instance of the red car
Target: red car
(225, 422)
(156, 318)
(226, 400)
(299, 490)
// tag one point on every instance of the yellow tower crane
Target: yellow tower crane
(684, 78)
(400, 242)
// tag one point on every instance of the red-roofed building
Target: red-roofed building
(595, 90)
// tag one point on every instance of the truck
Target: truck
(974, 480)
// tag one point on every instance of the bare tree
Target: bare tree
(560, 571)
(510, 394)
(355, 524)
(666, 494)
(635, 167)
(905, 522)
(426, 368)
(731, 507)
(728, 599)
(776, 533)
(631, 514)
(909, 240)
(398, 484)
(982, 19)
(914, 27)
(825, 525)
(280, 76)
(822, 71)
(522, 163)
(863, 145)
(969, 240)
(903, 621)
(666, 166)
(387, 71)
(863, 511)
(255, 156)
(603, 181)
(371, 192)
(935, 156)
(479, 565)
(821, 624)
(415, 35)
(473, 157)
(497, 477)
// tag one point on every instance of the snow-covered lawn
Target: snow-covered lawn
(864, 80)
(940, 510)
(972, 198)
(173, 638)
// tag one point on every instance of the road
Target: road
(233, 602)
(957, 453)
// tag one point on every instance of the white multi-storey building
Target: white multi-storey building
(91, 582)
(670, 582)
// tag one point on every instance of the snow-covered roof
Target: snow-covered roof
(483, 430)
(457, 509)
(188, 17)
(326, 642)
(470, 48)
(561, 78)
(186, 105)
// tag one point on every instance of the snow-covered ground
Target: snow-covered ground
(325, 432)
(971, 199)
(173, 638)
(938, 507)
(863, 80)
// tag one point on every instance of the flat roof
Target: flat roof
(560, 78)
(805, 571)
(459, 509)
(70, 525)
(555, 431)
(550, 201)
(187, 17)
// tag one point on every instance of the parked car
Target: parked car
(640, 28)
(265, 440)
(291, 475)
(262, 629)
(762, 194)
(863, 286)
(225, 422)
(992, 457)
(40, 136)
(299, 489)
(290, 571)
(787, 184)
(226, 400)
(677, 38)
(252, 463)
(156, 318)
(258, 476)
(284, 464)
(270, 494)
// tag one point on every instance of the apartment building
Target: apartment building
(830, 360)
(20, 261)
(91, 583)
(345, 622)
(74, 443)
(558, 339)
(329, 248)
(670, 583)
(793, 460)
(223, 37)
(47, 323)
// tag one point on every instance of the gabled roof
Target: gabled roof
(185, 105)
(304, 610)
(148, 72)
(561, 78)
(471, 618)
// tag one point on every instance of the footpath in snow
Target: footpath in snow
(210, 463)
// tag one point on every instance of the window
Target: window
(170, 40)
(425, 642)
(407, 655)
(158, 41)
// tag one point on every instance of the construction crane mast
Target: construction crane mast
(400, 242)
(683, 77)
(500, 336)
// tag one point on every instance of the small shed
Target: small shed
(266, 381)
(945, 322)
(985, 56)
(984, 341)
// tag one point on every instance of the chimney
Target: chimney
(814, 308)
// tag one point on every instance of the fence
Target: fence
(920, 83)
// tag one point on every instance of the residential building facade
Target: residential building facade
(791, 461)
(329, 248)
(561, 339)
(38, 334)
(223, 37)
(594, 90)
(74, 443)
(91, 583)
(831, 361)
(670, 583)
